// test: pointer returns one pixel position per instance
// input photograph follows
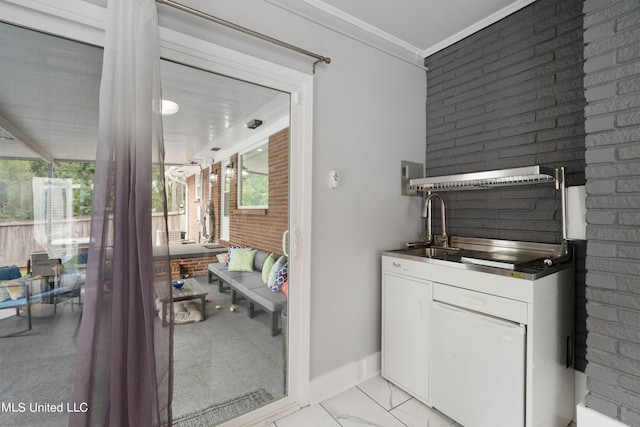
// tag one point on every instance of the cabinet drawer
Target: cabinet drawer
(503, 308)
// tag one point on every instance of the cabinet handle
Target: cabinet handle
(477, 301)
(396, 264)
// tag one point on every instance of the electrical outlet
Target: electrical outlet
(334, 179)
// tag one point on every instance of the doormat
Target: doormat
(219, 412)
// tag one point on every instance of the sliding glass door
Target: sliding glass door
(230, 349)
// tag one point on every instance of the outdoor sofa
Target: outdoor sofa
(251, 285)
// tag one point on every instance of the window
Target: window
(253, 182)
(198, 186)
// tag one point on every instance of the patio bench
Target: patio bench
(250, 286)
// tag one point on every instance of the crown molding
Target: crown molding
(328, 16)
(348, 25)
(491, 19)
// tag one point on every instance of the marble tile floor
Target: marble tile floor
(375, 402)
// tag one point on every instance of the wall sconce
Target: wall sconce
(229, 171)
(245, 172)
(213, 176)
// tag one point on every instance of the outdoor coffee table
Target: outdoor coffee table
(190, 290)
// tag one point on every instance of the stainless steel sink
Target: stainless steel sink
(449, 253)
(525, 260)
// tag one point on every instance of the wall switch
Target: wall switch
(334, 178)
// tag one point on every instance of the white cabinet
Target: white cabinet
(480, 367)
(418, 340)
(406, 303)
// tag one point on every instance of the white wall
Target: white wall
(369, 117)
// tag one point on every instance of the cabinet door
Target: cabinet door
(405, 333)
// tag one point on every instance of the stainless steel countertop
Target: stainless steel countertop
(522, 260)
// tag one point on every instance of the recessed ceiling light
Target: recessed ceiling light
(169, 107)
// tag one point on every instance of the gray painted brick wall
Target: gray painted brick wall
(612, 88)
(513, 95)
(510, 95)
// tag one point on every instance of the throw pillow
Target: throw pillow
(230, 252)
(10, 273)
(273, 274)
(242, 260)
(266, 267)
(280, 278)
(283, 273)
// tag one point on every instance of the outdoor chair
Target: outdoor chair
(70, 285)
(21, 293)
(15, 296)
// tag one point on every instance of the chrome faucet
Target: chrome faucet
(426, 213)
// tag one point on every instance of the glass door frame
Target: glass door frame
(84, 21)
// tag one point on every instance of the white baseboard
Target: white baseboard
(587, 417)
(580, 390)
(334, 382)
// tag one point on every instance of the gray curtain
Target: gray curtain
(124, 366)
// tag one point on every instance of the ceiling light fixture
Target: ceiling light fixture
(254, 123)
(169, 107)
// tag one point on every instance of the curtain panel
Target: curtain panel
(124, 363)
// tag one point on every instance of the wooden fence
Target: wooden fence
(17, 241)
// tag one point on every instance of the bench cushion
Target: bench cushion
(272, 301)
(216, 267)
(246, 283)
(259, 260)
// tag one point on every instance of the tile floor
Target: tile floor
(375, 402)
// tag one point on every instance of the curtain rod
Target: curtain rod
(319, 58)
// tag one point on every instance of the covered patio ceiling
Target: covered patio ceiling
(49, 88)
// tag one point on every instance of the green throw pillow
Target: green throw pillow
(242, 260)
(266, 267)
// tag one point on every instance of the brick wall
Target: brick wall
(512, 95)
(182, 267)
(612, 83)
(260, 228)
